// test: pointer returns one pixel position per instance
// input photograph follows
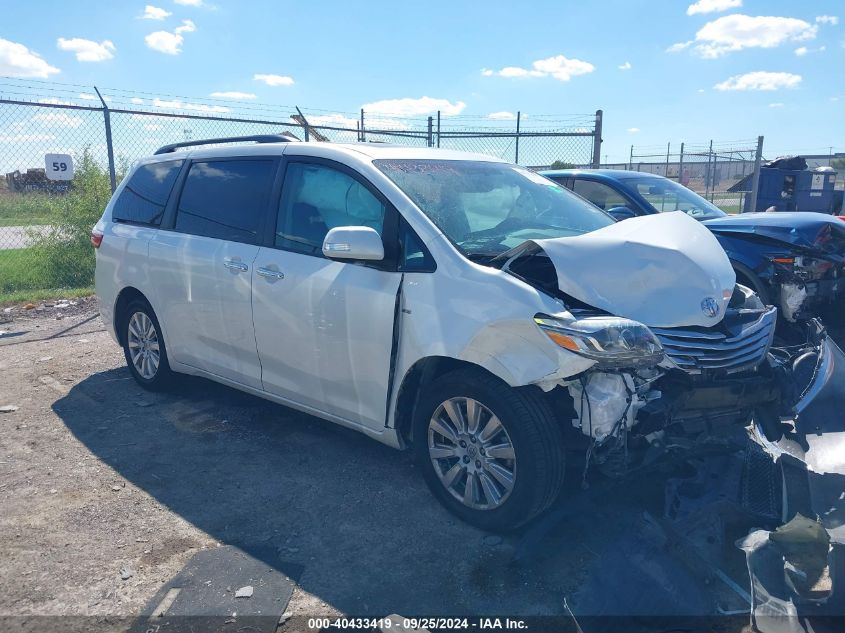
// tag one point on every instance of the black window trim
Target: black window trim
(168, 222)
(172, 194)
(390, 231)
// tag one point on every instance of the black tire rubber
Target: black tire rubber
(534, 431)
(164, 377)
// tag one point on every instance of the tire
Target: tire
(156, 375)
(536, 444)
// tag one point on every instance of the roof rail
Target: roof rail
(258, 138)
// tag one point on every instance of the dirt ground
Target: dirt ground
(107, 491)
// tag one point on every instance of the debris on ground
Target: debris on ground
(126, 573)
(8, 408)
(244, 592)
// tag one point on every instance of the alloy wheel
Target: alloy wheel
(142, 340)
(472, 453)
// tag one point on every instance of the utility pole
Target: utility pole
(755, 179)
(597, 139)
(109, 146)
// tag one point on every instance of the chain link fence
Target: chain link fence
(726, 173)
(63, 148)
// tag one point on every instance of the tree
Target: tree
(838, 164)
(562, 164)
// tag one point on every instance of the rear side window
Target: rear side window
(144, 197)
(226, 199)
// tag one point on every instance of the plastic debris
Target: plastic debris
(8, 408)
(244, 592)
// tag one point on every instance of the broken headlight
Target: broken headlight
(612, 341)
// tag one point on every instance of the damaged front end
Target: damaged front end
(684, 358)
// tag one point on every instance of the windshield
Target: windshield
(487, 208)
(667, 195)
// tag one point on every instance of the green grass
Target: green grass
(26, 275)
(34, 296)
(26, 209)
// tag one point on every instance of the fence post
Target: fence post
(109, 146)
(755, 179)
(438, 128)
(681, 165)
(631, 159)
(430, 132)
(516, 148)
(305, 125)
(597, 140)
(666, 169)
(707, 174)
(363, 132)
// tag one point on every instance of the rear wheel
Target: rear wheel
(493, 455)
(143, 347)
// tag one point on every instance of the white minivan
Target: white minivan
(451, 302)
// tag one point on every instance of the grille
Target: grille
(740, 342)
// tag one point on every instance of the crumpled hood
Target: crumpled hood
(804, 229)
(662, 270)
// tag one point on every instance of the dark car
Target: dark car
(793, 260)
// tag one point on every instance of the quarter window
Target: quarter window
(316, 198)
(144, 197)
(226, 199)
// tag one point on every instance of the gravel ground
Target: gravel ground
(107, 491)
(98, 477)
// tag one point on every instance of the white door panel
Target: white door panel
(325, 332)
(203, 287)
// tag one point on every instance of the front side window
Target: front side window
(144, 197)
(316, 198)
(486, 208)
(599, 194)
(668, 195)
(226, 199)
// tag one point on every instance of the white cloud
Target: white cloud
(57, 119)
(137, 100)
(502, 116)
(87, 96)
(776, 105)
(274, 80)
(54, 101)
(760, 80)
(190, 3)
(827, 19)
(414, 107)
(332, 120)
(625, 66)
(712, 6)
(87, 50)
(167, 42)
(736, 32)
(175, 104)
(154, 13)
(801, 51)
(233, 94)
(16, 60)
(633, 130)
(560, 67)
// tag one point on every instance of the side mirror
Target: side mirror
(353, 242)
(621, 213)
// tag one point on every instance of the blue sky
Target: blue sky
(661, 70)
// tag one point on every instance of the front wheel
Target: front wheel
(493, 455)
(143, 347)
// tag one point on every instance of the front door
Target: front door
(324, 328)
(202, 269)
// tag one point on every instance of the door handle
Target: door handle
(235, 266)
(270, 274)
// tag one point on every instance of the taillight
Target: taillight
(96, 238)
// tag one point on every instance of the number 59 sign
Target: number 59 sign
(58, 166)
